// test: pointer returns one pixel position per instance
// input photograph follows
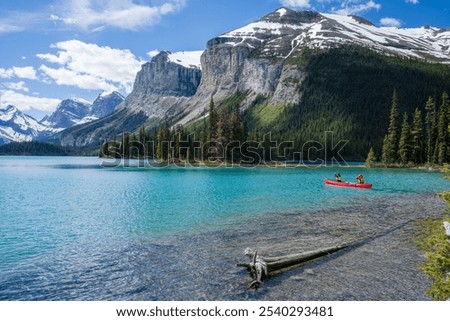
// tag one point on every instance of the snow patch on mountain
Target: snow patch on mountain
(188, 59)
(314, 30)
(16, 126)
(72, 112)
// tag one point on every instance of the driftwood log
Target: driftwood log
(262, 267)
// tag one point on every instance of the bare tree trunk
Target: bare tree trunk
(262, 267)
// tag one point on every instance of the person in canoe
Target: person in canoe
(360, 179)
(338, 177)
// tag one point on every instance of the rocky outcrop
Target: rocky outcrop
(162, 87)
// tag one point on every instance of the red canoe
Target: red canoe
(347, 184)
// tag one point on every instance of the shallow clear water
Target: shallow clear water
(71, 229)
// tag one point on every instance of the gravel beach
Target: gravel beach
(385, 265)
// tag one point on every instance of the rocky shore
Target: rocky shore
(384, 266)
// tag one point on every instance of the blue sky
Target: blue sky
(57, 49)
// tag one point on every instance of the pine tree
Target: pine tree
(417, 139)
(404, 145)
(223, 132)
(104, 150)
(442, 131)
(236, 136)
(178, 142)
(384, 150)
(389, 154)
(211, 148)
(446, 106)
(235, 125)
(212, 121)
(125, 145)
(371, 158)
(142, 142)
(161, 142)
(430, 122)
(244, 131)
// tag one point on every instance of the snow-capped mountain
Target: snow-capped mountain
(105, 104)
(72, 112)
(284, 31)
(68, 113)
(16, 126)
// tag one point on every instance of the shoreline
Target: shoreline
(372, 269)
(150, 163)
(385, 266)
(181, 164)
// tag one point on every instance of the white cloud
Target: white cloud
(17, 86)
(354, 7)
(5, 27)
(412, 1)
(295, 3)
(27, 72)
(92, 15)
(89, 66)
(343, 7)
(16, 21)
(390, 22)
(27, 102)
(69, 77)
(123, 14)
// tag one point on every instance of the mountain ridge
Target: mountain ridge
(16, 126)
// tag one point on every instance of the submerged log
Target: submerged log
(262, 267)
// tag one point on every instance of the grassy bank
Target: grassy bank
(436, 245)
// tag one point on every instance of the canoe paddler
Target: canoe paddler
(360, 179)
(338, 177)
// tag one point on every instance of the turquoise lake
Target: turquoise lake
(74, 230)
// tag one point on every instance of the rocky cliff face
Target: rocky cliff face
(161, 85)
(252, 60)
(161, 89)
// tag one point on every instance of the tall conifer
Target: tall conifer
(389, 154)
(417, 139)
(404, 145)
(430, 123)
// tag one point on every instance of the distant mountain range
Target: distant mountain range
(293, 73)
(16, 126)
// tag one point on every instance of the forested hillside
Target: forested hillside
(348, 91)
